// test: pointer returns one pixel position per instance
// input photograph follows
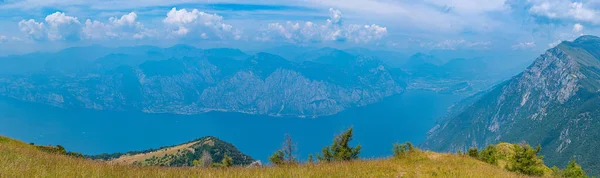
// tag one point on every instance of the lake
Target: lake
(399, 118)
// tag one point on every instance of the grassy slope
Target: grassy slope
(18, 159)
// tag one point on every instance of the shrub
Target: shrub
(277, 158)
(473, 152)
(489, 155)
(225, 162)
(402, 149)
(340, 150)
(526, 161)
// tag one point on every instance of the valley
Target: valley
(405, 117)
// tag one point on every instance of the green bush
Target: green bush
(227, 161)
(489, 155)
(473, 152)
(277, 158)
(402, 149)
(526, 161)
(340, 150)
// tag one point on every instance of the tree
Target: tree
(526, 161)
(289, 149)
(573, 170)
(340, 150)
(310, 158)
(285, 155)
(206, 159)
(473, 152)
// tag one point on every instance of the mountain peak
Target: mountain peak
(587, 39)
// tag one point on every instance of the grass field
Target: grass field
(18, 159)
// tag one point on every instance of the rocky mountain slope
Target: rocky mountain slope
(186, 80)
(555, 102)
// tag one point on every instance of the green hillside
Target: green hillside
(209, 148)
(18, 159)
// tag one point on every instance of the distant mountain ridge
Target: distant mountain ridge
(555, 102)
(186, 80)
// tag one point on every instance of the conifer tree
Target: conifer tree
(340, 150)
(573, 170)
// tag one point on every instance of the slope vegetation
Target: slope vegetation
(18, 159)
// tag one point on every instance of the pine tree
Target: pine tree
(340, 150)
(573, 170)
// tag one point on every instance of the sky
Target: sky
(476, 25)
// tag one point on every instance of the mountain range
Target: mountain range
(555, 103)
(186, 80)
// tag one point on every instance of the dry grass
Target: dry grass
(130, 159)
(18, 159)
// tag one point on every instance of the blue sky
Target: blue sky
(482, 25)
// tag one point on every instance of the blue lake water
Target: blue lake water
(400, 118)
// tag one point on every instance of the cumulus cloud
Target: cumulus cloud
(60, 27)
(185, 23)
(524, 45)
(565, 10)
(125, 27)
(32, 29)
(333, 30)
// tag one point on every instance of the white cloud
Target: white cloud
(333, 30)
(524, 45)
(125, 27)
(335, 16)
(565, 10)
(61, 27)
(183, 23)
(32, 29)
(127, 19)
(577, 28)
